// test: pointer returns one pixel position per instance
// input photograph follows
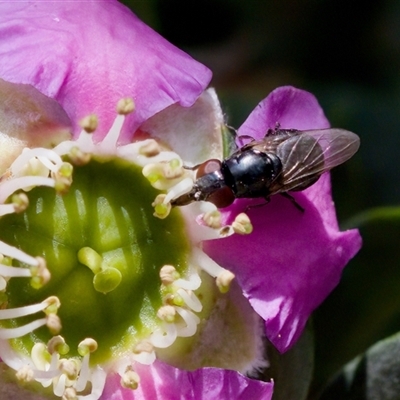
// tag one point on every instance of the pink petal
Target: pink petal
(161, 381)
(288, 106)
(292, 260)
(89, 55)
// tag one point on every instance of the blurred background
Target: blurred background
(348, 55)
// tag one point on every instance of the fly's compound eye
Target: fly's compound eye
(208, 166)
(220, 196)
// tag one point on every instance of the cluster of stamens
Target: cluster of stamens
(49, 363)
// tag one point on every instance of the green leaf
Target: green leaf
(365, 307)
(371, 376)
(292, 371)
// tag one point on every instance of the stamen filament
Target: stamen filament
(11, 186)
(6, 270)
(191, 320)
(42, 153)
(190, 300)
(22, 311)
(18, 254)
(164, 336)
(11, 333)
(7, 209)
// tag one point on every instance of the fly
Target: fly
(284, 160)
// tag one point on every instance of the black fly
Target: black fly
(284, 160)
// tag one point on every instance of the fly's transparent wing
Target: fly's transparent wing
(305, 155)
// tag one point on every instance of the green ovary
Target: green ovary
(108, 209)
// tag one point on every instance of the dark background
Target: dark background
(348, 54)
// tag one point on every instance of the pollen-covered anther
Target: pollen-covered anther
(168, 274)
(53, 323)
(89, 123)
(70, 367)
(70, 394)
(212, 219)
(52, 304)
(25, 374)
(143, 346)
(161, 209)
(79, 157)
(130, 379)
(87, 346)
(58, 345)
(166, 313)
(173, 169)
(242, 224)
(150, 149)
(40, 274)
(125, 106)
(224, 280)
(20, 202)
(63, 178)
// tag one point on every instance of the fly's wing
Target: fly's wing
(305, 155)
(271, 141)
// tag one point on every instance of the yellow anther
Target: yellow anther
(53, 304)
(89, 123)
(150, 149)
(166, 313)
(173, 169)
(20, 202)
(242, 224)
(224, 280)
(130, 379)
(25, 374)
(70, 394)
(125, 106)
(70, 367)
(78, 157)
(40, 274)
(57, 345)
(168, 274)
(143, 346)
(212, 219)
(54, 324)
(161, 209)
(87, 346)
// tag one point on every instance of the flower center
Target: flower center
(107, 212)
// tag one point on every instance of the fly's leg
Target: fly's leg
(292, 200)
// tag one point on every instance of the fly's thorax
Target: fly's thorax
(250, 173)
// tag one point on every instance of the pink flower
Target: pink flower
(292, 260)
(89, 57)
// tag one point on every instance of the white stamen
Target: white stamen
(180, 188)
(3, 283)
(7, 209)
(44, 154)
(145, 357)
(163, 338)
(206, 263)
(11, 186)
(192, 283)
(190, 300)
(6, 270)
(191, 321)
(84, 374)
(59, 388)
(22, 311)
(17, 254)
(98, 380)
(110, 141)
(22, 330)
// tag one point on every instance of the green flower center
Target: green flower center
(107, 218)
